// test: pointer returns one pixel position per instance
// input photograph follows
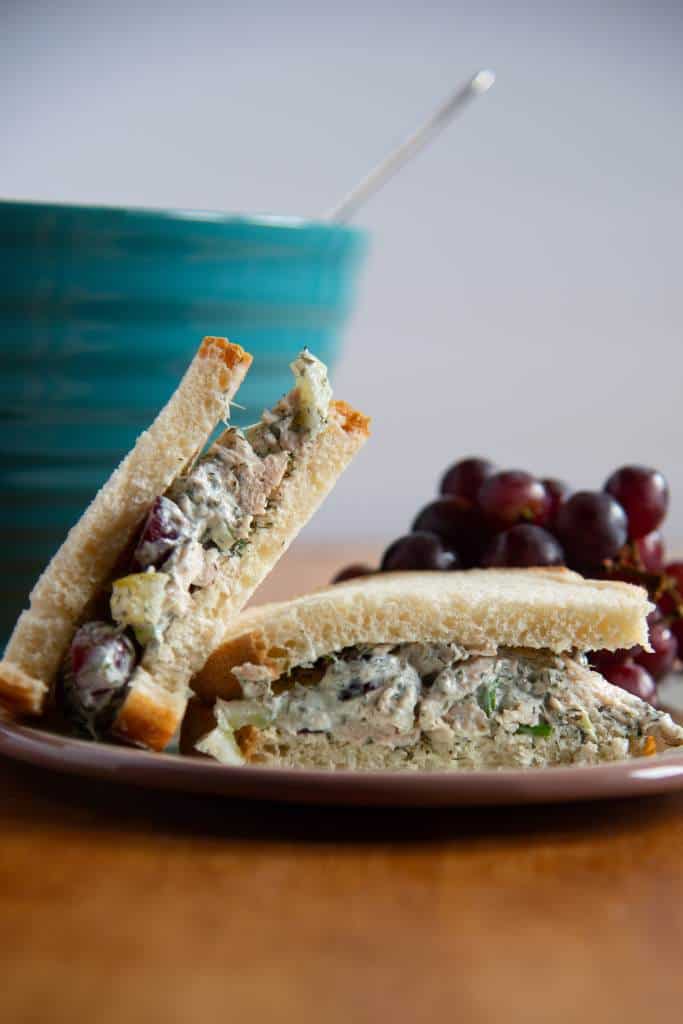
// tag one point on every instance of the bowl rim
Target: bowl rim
(257, 221)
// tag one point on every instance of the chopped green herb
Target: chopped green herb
(542, 729)
(487, 696)
(239, 547)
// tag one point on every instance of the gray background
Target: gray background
(523, 297)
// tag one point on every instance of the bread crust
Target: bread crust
(542, 608)
(150, 716)
(19, 692)
(83, 565)
(231, 355)
(351, 420)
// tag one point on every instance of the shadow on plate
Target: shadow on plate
(39, 799)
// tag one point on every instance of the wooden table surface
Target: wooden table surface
(130, 905)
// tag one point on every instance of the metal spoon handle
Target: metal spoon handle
(476, 86)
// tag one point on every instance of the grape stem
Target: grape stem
(657, 584)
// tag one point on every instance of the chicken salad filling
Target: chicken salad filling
(202, 525)
(475, 708)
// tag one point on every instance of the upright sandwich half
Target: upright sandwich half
(450, 670)
(172, 548)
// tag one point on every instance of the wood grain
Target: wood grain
(129, 905)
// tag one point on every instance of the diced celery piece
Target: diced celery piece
(221, 744)
(137, 600)
(234, 714)
(315, 393)
(222, 536)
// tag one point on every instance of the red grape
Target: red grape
(464, 479)
(675, 570)
(643, 494)
(459, 526)
(603, 660)
(513, 497)
(671, 600)
(650, 551)
(164, 527)
(351, 572)
(101, 662)
(558, 492)
(661, 659)
(666, 604)
(677, 630)
(632, 677)
(654, 617)
(418, 550)
(523, 545)
(592, 528)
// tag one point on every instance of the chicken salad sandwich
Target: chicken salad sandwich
(429, 670)
(172, 547)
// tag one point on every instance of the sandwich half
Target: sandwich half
(172, 547)
(482, 669)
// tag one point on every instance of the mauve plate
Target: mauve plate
(638, 777)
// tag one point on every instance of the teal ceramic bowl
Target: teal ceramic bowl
(101, 310)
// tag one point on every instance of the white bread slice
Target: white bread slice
(85, 561)
(159, 689)
(539, 608)
(547, 609)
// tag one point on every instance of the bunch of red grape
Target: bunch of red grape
(489, 518)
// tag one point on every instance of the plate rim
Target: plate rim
(660, 773)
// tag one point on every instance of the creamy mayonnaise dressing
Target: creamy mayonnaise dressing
(483, 708)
